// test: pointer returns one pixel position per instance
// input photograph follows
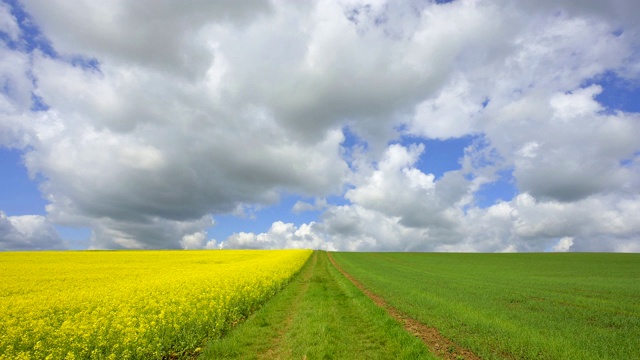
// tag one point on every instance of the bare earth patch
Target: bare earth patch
(437, 343)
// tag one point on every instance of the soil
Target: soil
(437, 343)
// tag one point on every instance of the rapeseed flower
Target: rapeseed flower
(131, 304)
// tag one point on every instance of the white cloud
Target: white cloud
(197, 240)
(452, 113)
(280, 236)
(8, 23)
(357, 228)
(212, 245)
(194, 110)
(148, 233)
(563, 244)
(28, 232)
(15, 93)
(520, 225)
(161, 35)
(400, 190)
(301, 206)
(390, 211)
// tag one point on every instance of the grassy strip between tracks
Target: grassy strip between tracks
(319, 315)
(514, 306)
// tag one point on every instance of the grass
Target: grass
(319, 315)
(514, 306)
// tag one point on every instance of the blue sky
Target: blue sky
(350, 125)
(20, 194)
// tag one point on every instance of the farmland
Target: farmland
(131, 304)
(514, 306)
(319, 315)
(297, 304)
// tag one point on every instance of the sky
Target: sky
(348, 125)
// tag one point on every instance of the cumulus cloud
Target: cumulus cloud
(580, 152)
(280, 236)
(162, 35)
(398, 189)
(563, 244)
(398, 208)
(197, 240)
(520, 225)
(150, 233)
(159, 116)
(28, 232)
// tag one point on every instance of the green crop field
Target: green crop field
(514, 306)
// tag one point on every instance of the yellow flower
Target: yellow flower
(127, 304)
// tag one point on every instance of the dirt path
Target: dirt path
(437, 343)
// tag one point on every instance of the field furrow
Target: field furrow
(438, 344)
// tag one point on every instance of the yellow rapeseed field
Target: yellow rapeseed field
(131, 304)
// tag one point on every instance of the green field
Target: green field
(514, 306)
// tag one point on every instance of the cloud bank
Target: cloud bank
(145, 121)
(28, 232)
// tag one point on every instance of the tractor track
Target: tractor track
(438, 344)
